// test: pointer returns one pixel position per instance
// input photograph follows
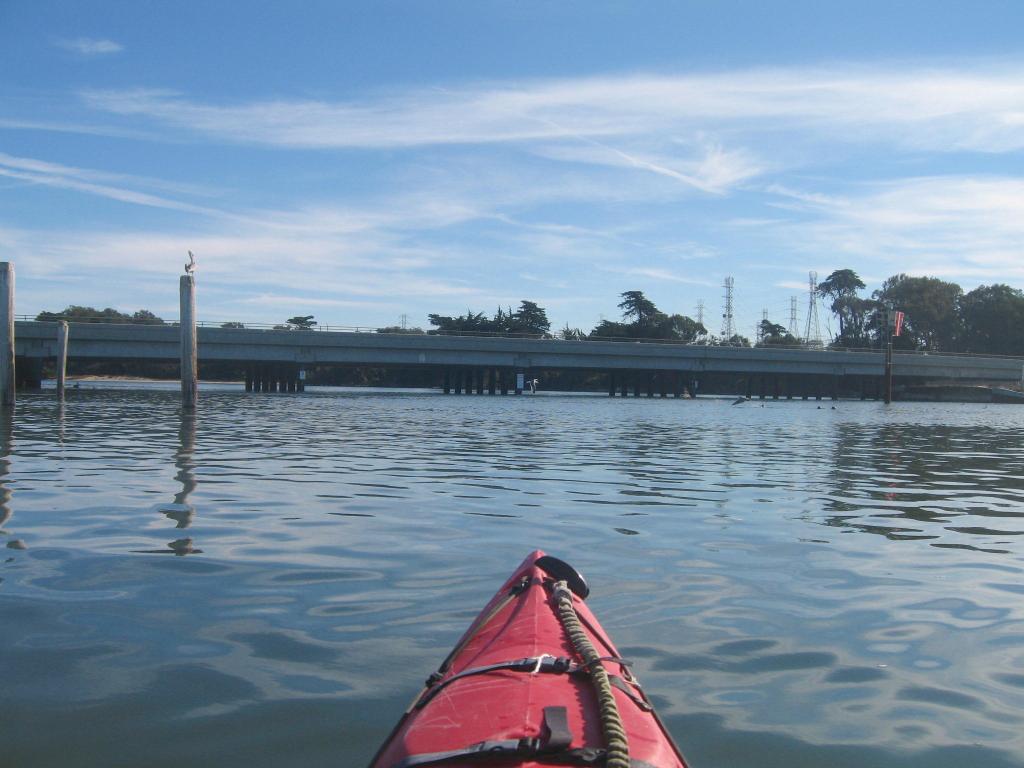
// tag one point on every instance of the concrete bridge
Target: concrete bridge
(273, 359)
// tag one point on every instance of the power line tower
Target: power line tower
(700, 312)
(794, 326)
(405, 320)
(759, 328)
(728, 329)
(813, 333)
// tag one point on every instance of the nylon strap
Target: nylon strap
(557, 740)
(533, 664)
(559, 737)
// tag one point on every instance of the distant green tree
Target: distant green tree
(572, 334)
(637, 307)
(232, 324)
(145, 317)
(736, 340)
(399, 329)
(852, 311)
(686, 329)
(80, 314)
(930, 307)
(992, 319)
(470, 322)
(775, 335)
(649, 322)
(301, 322)
(609, 329)
(530, 318)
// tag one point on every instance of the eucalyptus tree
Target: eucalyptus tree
(852, 311)
(930, 307)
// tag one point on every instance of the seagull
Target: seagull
(191, 266)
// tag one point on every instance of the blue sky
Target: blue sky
(361, 161)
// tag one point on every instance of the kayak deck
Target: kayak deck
(515, 692)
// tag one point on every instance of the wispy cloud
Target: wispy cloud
(976, 107)
(968, 228)
(89, 46)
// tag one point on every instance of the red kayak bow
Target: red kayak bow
(535, 681)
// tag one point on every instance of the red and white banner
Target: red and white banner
(899, 324)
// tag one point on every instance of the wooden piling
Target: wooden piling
(7, 381)
(189, 360)
(62, 357)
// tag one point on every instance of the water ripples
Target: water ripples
(796, 585)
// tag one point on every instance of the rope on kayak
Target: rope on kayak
(616, 743)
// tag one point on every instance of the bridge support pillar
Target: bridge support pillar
(447, 384)
(649, 377)
(492, 382)
(457, 375)
(624, 384)
(761, 383)
(636, 384)
(835, 386)
(248, 378)
(817, 387)
(506, 376)
(677, 384)
(611, 383)
(663, 383)
(776, 386)
(863, 388)
(789, 386)
(479, 381)
(300, 380)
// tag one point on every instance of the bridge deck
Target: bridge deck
(308, 348)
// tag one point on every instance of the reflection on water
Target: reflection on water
(798, 586)
(180, 511)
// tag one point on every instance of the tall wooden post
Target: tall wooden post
(888, 371)
(62, 357)
(7, 382)
(189, 362)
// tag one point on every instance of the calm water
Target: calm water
(268, 584)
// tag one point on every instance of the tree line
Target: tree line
(938, 315)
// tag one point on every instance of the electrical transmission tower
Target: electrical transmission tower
(794, 326)
(700, 312)
(813, 334)
(728, 329)
(759, 329)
